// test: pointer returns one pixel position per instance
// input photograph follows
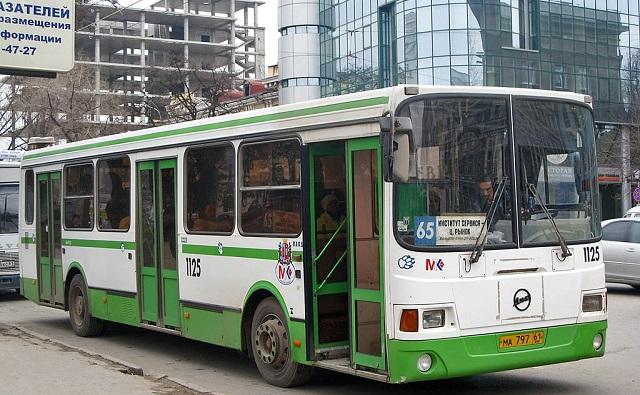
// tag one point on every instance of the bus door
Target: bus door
(49, 238)
(328, 204)
(365, 253)
(157, 265)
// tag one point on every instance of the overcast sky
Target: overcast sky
(267, 17)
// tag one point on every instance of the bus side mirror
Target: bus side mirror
(394, 139)
(401, 157)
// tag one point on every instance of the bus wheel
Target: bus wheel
(82, 322)
(271, 347)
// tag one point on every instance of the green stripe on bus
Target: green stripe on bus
(238, 252)
(110, 244)
(355, 104)
(28, 240)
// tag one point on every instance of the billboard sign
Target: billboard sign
(37, 35)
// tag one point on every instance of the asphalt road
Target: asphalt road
(226, 371)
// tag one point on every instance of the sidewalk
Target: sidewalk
(29, 364)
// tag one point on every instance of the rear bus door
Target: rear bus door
(49, 238)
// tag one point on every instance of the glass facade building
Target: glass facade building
(586, 46)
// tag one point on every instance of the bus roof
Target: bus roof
(351, 108)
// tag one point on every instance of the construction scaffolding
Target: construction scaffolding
(154, 59)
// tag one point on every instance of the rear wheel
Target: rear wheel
(82, 322)
(271, 347)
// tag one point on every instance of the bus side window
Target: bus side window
(210, 188)
(29, 197)
(78, 197)
(114, 194)
(270, 190)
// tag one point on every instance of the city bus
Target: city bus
(9, 239)
(404, 234)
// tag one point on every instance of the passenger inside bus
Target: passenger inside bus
(208, 220)
(331, 217)
(117, 209)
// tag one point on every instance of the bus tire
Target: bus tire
(82, 322)
(271, 347)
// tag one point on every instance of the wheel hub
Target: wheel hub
(272, 343)
(78, 307)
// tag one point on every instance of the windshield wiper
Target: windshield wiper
(563, 242)
(482, 238)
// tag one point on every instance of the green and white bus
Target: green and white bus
(403, 234)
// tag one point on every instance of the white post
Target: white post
(143, 63)
(96, 59)
(232, 36)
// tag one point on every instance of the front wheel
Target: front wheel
(271, 347)
(82, 322)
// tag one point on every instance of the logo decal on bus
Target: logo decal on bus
(220, 248)
(285, 273)
(434, 264)
(406, 262)
(521, 299)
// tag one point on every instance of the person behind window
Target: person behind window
(210, 221)
(118, 206)
(331, 217)
(486, 198)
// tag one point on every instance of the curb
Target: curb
(129, 367)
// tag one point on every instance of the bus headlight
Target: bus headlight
(424, 362)
(432, 319)
(597, 341)
(591, 303)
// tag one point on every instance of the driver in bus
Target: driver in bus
(487, 195)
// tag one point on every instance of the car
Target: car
(621, 250)
(634, 212)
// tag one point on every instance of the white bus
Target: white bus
(9, 238)
(403, 234)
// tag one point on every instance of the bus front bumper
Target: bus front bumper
(469, 355)
(10, 281)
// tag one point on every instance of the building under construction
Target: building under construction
(155, 61)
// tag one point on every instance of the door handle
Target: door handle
(631, 250)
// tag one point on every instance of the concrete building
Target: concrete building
(132, 50)
(332, 47)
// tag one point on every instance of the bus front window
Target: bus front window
(555, 143)
(460, 157)
(9, 209)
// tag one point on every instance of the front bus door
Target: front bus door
(365, 253)
(158, 276)
(49, 239)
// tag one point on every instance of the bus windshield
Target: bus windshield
(556, 145)
(461, 154)
(9, 202)
(462, 160)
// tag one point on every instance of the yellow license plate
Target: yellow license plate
(521, 339)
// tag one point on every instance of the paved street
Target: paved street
(220, 370)
(31, 364)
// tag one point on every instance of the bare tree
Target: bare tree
(610, 141)
(67, 106)
(13, 119)
(196, 92)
